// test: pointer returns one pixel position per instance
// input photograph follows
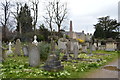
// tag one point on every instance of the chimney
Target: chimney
(71, 32)
(70, 26)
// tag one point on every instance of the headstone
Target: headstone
(93, 48)
(34, 56)
(35, 40)
(18, 47)
(9, 51)
(76, 51)
(84, 48)
(62, 43)
(101, 47)
(0, 52)
(110, 45)
(53, 63)
(25, 50)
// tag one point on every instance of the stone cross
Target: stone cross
(35, 40)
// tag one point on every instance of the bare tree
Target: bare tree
(57, 13)
(35, 11)
(18, 5)
(50, 14)
(60, 11)
(6, 14)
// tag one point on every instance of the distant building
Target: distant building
(78, 35)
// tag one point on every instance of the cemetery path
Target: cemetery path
(104, 73)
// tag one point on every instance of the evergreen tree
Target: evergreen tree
(106, 28)
(25, 20)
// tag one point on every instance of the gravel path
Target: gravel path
(103, 73)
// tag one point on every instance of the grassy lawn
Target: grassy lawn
(18, 67)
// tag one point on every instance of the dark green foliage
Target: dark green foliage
(44, 49)
(43, 33)
(24, 20)
(106, 28)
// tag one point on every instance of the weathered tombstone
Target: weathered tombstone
(0, 52)
(62, 43)
(76, 51)
(9, 51)
(68, 50)
(110, 45)
(101, 47)
(84, 48)
(35, 40)
(67, 53)
(53, 63)
(93, 48)
(25, 50)
(18, 47)
(34, 56)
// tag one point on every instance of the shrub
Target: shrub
(44, 49)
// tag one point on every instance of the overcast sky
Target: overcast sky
(84, 13)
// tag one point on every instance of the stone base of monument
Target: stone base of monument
(64, 58)
(67, 58)
(53, 64)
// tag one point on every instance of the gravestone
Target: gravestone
(76, 51)
(84, 48)
(93, 48)
(35, 40)
(0, 52)
(101, 47)
(62, 43)
(34, 56)
(25, 50)
(18, 47)
(53, 63)
(110, 45)
(9, 51)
